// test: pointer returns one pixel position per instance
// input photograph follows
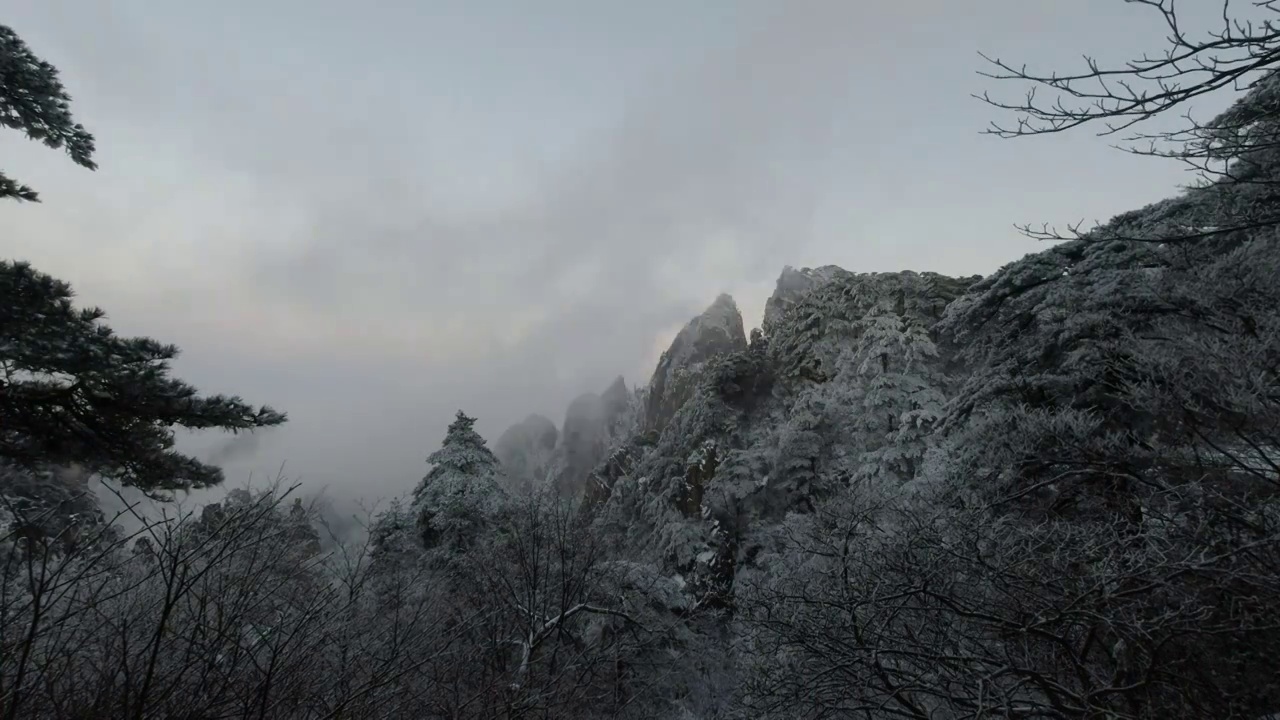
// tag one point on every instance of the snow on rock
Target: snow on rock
(717, 331)
(589, 431)
(792, 286)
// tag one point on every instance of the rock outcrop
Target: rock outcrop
(526, 450)
(717, 331)
(792, 286)
(590, 426)
(616, 398)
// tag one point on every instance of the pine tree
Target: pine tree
(33, 100)
(451, 504)
(392, 533)
(899, 391)
(73, 392)
(802, 443)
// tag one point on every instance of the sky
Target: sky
(371, 215)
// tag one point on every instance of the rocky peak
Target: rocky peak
(792, 286)
(525, 449)
(616, 397)
(717, 331)
(588, 430)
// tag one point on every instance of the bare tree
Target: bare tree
(235, 611)
(1231, 155)
(230, 613)
(918, 612)
(551, 639)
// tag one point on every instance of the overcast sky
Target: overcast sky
(373, 214)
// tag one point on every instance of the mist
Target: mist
(507, 209)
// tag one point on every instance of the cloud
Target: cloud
(236, 447)
(708, 179)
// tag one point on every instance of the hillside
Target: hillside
(1083, 412)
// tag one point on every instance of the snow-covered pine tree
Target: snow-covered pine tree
(462, 490)
(896, 394)
(802, 443)
(393, 530)
(74, 392)
(33, 100)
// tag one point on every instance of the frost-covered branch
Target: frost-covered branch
(1231, 155)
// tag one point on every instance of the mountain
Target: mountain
(731, 434)
(791, 287)
(963, 445)
(588, 430)
(903, 490)
(1051, 492)
(715, 333)
(595, 424)
(738, 434)
(534, 452)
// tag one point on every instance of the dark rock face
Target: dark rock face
(590, 428)
(526, 449)
(717, 331)
(616, 398)
(584, 433)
